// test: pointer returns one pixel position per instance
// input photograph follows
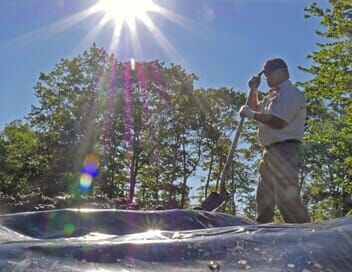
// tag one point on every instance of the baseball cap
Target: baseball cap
(274, 64)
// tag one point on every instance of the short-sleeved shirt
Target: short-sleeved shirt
(289, 104)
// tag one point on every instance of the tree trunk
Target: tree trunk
(133, 178)
(156, 189)
(346, 203)
(132, 187)
(184, 178)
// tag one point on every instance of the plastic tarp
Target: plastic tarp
(172, 240)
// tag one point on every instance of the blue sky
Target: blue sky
(224, 42)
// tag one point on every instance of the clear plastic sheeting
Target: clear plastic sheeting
(175, 240)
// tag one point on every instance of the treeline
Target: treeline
(141, 131)
(327, 168)
(144, 126)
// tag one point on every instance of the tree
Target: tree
(20, 163)
(176, 132)
(124, 113)
(329, 127)
(67, 116)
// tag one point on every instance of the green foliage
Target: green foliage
(328, 150)
(20, 162)
(151, 130)
(66, 118)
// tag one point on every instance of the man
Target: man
(281, 117)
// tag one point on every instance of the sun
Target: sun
(106, 20)
(126, 11)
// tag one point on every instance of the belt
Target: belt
(283, 142)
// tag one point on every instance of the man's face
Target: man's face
(273, 78)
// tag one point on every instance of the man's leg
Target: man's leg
(265, 197)
(287, 186)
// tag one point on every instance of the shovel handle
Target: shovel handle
(226, 168)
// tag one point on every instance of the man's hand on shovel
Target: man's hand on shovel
(247, 112)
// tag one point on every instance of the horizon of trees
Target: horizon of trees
(141, 131)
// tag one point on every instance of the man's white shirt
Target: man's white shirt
(289, 104)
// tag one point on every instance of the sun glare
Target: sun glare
(126, 11)
(120, 12)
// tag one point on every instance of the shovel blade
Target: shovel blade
(213, 201)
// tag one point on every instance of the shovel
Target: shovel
(216, 200)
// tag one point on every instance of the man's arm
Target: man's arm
(251, 109)
(253, 101)
(269, 120)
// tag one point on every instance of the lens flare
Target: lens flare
(90, 170)
(85, 182)
(133, 64)
(69, 229)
